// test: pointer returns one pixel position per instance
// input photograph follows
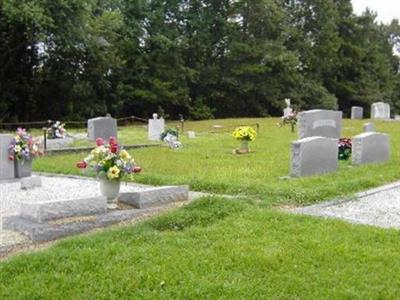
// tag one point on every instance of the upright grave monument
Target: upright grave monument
(320, 122)
(288, 110)
(6, 165)
(102, 127)
(380, 110)
(156, 127)
(357, 112)
(370, 147)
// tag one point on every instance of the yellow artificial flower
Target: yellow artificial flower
(124, 155)
(113, 173)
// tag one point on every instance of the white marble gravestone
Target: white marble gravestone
(6, 165)
(191, 134)
(288, 110)
(314, 155)
(380, 110)
(156, 127)
(357, 112)
(370, 147)
(320, 122)
(102, 127)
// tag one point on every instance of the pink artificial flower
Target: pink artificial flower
(21, 131)
(113, 148)
(137, 169)
(11, 157)
(112, 140)
(99, 142)
(81, 165)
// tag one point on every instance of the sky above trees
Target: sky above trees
(386, 9)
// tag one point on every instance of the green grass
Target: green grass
(207, 163)
(245, 252)
(216, 248)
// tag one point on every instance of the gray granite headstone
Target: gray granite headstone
(6, 165)
(102, 127)
(380, 110)
(156, 128)
(369, 127)
(319, 122)
(370, 147)
(314, 155)
(357, 112)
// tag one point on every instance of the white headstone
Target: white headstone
(357, 112)
(102, 127)
(288, 110)
(156, 128)
(380, 110)
(6, 165)
(191, 134)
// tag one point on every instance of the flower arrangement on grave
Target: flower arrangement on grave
(290, 119)
(56, 130)
(111, 164)
(344, 147)
(23, 148)
(244, 134)
(170, 136)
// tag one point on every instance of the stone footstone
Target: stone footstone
(41, 211)
(31, 182)
(369, 127)
(314, 155)
(370, 147)
(156, 196)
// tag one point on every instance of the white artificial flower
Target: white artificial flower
(17, 148)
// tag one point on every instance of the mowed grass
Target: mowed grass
(218, 248)
(207, 163)
(214, 249)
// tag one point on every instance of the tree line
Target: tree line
(74, 59)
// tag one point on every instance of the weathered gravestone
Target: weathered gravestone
(314, 155)
(357, 112)
(102, 127)
(156, 127)
(369, 127)
(380, 110)
(6, 165)
(319, 122)
(370, 147)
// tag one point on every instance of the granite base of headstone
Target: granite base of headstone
(6, 165)
(102, 127)
(357, 112)
(370, 147)
(380, 110)
(320, 122)
(313, 156)
(369, 127)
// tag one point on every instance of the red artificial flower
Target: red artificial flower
(11, 157)
(81, 165)
(137, 169)
(114, 148)
(99, 142)
(112, 140)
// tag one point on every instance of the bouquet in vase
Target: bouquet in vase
(23, 148)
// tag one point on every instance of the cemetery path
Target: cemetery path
(378, 207)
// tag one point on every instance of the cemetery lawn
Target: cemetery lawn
(214, 249)
(207, 163)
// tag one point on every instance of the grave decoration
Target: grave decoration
(244, 134)
(290, 118)
(111, 164)
(22, 150)
(170, 136)
(344, 148)
(56, 130)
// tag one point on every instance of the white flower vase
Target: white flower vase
(109, 188)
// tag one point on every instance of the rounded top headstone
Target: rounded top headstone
(155, 116)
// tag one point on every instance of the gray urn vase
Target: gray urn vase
(109, 188)
(23, 168)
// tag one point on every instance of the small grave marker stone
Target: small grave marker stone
(314, 155)
(369, 127)
(191, 134)
(156, 128)
(319, 122)
(102, 127)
